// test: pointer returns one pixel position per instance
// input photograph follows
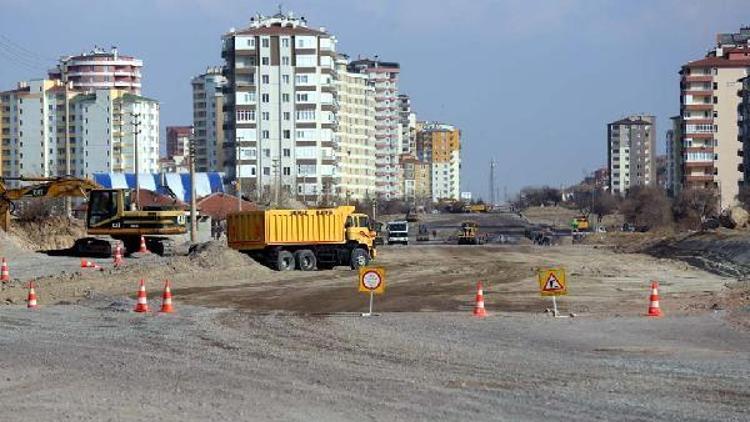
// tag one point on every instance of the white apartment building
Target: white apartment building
(355, 133)
(631, 153)
(208, 119)
(388, 135)
(33, 129)
(280, 108)
(106, 122)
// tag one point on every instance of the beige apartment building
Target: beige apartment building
(711, 153)
(355, 134)
(439, 145)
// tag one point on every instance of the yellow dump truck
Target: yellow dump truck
(303, 239)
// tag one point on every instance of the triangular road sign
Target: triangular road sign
(552, 284)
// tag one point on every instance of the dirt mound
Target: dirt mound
(48, 234)
(216, 254)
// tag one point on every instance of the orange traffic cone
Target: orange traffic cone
(479, 307)
(143, 248)
(85, 263)
(653, 306)
(4, 273)
(118, 255)
(141, 304)
(166, 300)
(32, 296)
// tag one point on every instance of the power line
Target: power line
(25, 50)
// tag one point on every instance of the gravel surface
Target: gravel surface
(99, 361)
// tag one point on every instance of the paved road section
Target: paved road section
(98, 361)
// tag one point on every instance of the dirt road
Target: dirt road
(248, 343)
(97, 361)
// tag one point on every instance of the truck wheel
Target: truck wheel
(360, 258)
(284, 261)
(306, 260)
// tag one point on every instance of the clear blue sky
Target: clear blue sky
(532, 83)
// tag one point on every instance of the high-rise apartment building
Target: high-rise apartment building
(631, 155)
(709, 102)
(743, 124)
(33, 130)
(208, 120)
(674, 158)
(355, 134)
(408, 121)
(388, 142)
(100, 69)
(280, 107)
(107, 122)
(100, 136)
(440, 145)
(178, 140)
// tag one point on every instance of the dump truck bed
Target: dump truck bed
(254, 230)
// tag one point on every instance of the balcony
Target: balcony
(699, 107)
(698, 78)
(699, 178)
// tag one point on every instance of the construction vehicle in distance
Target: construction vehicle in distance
(303, 239)
(580, 223)
(111, 215)
(398, 232)
(470, 235)
(377, 226)
(423, 235)
(476, 208)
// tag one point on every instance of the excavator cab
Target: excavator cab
(111, 213)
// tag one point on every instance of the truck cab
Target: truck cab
(398, 232)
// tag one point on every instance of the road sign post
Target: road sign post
(552, 282)
(372, 281)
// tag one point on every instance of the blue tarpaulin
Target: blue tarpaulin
(179, 183)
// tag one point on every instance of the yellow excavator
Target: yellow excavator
(112, 216)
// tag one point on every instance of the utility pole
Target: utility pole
(68, 200)
(237, 140)
(277, 176)
(193, 212)
(136, 131)
(493, 199)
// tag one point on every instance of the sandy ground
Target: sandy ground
(249, 343)
(97, 361)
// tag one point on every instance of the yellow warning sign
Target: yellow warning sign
(372, 279)
(552, 282)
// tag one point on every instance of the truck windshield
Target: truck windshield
(397, 227)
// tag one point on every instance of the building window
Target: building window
(251, 42)
(285, 42)
(301, 79)
(287, 171)
(265, 98)
(266, 134)
(302, 98)
(264, 61)
(245, 115)
(287, 152)
(285, 60)
(287, 134)
(285, 78)
(267, 152)
(305, 115)
(265, 42)
(264, 79)
(285, 98)
(287, 115)
(266, 115)
(266, 171)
